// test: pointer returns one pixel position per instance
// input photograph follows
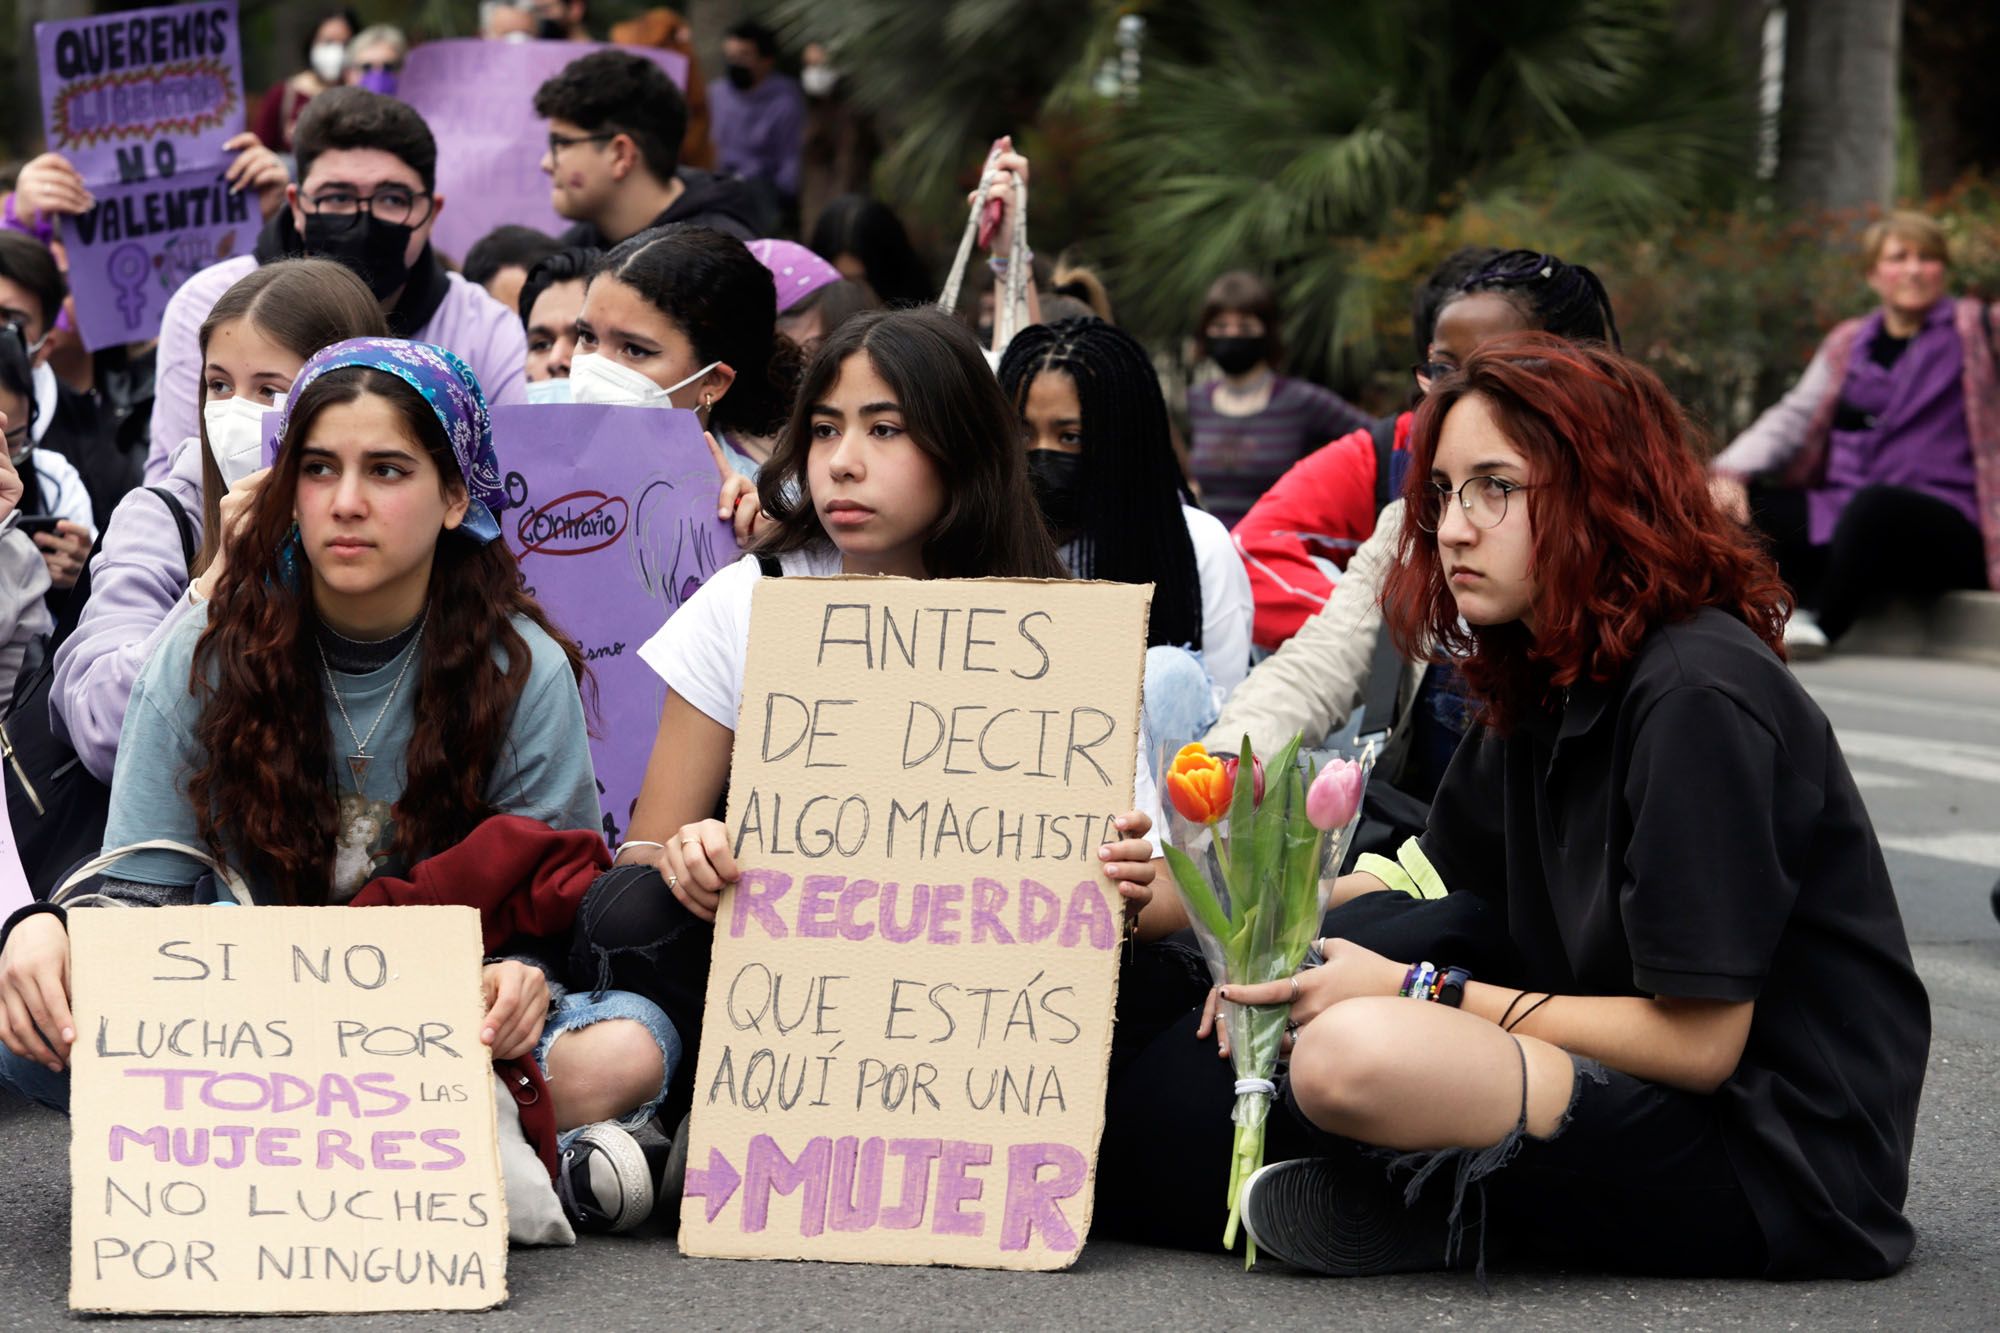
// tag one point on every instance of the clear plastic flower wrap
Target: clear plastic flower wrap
(1251, 861)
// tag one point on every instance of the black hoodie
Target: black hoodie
(725, 203)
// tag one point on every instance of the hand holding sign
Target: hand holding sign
(738, 502)
(257, 168)
(49, 186)
(34, 991)
(517, 1005)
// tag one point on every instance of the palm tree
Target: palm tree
(1273, 135)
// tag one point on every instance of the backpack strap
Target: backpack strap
(1383, 433)
(768, 566)
(181, 522)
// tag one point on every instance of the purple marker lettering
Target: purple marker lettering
(817, 906)
(955, 1187)
(756, 890)
(1031, 1201)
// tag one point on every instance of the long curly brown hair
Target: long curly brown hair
(266, 785)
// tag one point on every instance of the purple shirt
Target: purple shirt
(138, 591)
(1910, 424)
(487, 334)
(758, 131)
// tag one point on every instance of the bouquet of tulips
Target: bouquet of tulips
(1251, 860)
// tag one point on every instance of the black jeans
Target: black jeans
(1890, 541)
(1636, 1180)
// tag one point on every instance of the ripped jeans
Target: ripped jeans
(632, 934)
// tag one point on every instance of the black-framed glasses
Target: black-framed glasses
(380, 67)
(1429, 372)
(1484, 500)
(395, 204)
(558, 142)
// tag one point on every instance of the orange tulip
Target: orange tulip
(1199, 784)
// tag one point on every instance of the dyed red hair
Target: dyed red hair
(1626, 538)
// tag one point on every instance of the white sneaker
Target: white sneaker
(1805, 641)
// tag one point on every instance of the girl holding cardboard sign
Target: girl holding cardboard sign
(368, 686)
(901, 457)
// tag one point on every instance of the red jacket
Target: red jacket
(526, 879)
(1319, 511)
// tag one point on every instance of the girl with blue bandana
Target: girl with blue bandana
(369, 683)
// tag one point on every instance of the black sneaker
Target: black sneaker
(670, 1168)
(604, 1181)
(1345, 1222)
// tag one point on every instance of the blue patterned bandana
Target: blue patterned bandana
(447, 384)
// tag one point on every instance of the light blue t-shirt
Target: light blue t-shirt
(543, 772)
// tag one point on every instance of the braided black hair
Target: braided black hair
(1567, 300)
(1444, 283)
(1133, 527)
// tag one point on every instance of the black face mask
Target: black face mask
(1058, 481)
(551, 30)
(742, 76)
(1236, 355)
(373, 249)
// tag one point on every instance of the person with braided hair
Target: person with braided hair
(1101, 456)
(1303, 531)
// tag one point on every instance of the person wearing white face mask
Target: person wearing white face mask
(325, 60)
(685, 316)
(551, 301)
(255, 340)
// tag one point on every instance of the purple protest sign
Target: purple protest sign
(142, 241)
(612, 516)
(478, 97)
(145, 93)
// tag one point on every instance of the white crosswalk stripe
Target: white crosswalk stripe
(1955, 759)
(1977, 849)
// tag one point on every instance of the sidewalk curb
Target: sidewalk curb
(1962, 627)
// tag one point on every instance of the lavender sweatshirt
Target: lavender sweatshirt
(487, 334)
(138, 593)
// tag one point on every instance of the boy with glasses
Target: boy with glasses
(616, 122)
(366, 198)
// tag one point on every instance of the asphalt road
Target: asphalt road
(1924, 740)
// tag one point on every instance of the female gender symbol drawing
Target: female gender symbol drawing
(127, 268)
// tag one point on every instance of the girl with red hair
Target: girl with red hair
(1706, 1054)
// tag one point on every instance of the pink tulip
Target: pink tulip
(1335, 795)
(1230, 766)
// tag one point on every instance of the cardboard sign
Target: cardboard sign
(478, 97)
(909, 1013)
(144, 93)
(279, 1109)
(612, 516)
(142, 241)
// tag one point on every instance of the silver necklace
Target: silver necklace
(357, 763)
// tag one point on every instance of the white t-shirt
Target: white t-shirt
(1226, 605)
(700, 652)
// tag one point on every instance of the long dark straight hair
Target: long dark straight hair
(265, 785)
(953, 408)
(1133, 527)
